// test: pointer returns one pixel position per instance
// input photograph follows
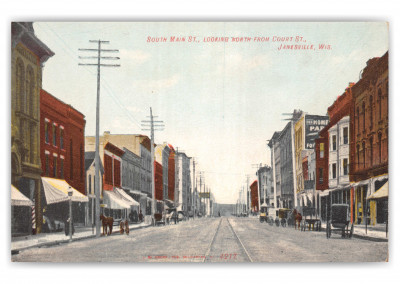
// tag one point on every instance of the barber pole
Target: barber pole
(33, 220)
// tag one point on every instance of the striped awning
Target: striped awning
(126, 197)
(18, 199)
(114, 201)
(56, 190)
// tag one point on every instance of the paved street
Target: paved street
(213, 240)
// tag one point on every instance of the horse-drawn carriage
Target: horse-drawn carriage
(310, 219)
(283, 217)
(264, 213)
(340, 221)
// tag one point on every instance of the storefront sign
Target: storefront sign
(314, 124)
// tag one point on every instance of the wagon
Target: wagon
(282, 216)
(263, 213)
(271, 213)
(310, 219)
(340, 221)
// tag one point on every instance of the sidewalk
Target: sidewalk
(374, 233)
(40, 240)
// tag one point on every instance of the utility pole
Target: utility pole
(154, 125)
(248, 193)
(194, 188)
(99, 51)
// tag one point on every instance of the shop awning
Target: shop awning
(56, 190)
(126, 197)
(381, 193)
(169, 203)
(18, 199)
(114, 201)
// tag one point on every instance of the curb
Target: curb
(357, 236)
(54, 243)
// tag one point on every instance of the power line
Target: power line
(104, 82)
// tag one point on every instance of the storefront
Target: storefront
(118, 204)
(380, 201)
(56, 202)
(22, 211)
(368, 210)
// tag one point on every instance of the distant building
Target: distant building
(139, 145)
(287, 169)
(266, 188)
(274, 146)
(183, 200)
(158, 181)
(161, 153)
(254, 196)
(91, 187)
(306, 130)
(171, 173)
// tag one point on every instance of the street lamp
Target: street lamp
(70, 213)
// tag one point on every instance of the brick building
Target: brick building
(171, 173)
(332, 155)
(254, 196)
(369, 144)
(62, 141)
(158, 182)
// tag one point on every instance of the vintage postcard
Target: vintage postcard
(199, 142)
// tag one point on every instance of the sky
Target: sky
(220, 101)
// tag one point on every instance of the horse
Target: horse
(107, 221)
(121, 227)
(127, 227)
(298, 219)
(124, 227)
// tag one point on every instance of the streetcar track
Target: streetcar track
(212, 241)
(207, 255)
(237, 237)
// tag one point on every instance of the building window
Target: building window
(32, 143)
(380, 147)
(345, 167)
(321, 150)
(363, 114)
(90, 185)
(333, 142)
(345, 135)
(334, 170)
(47, 166)
(358, 157)
(370, 113)
(61, 138)
(54, 132)
(55, 167)
(358, 120)
(363, 153)
(371, 147)
(20, 86)
(380, 104)
(321, 175)
(30, 96)
(46, 132)
(62, 168)
(81, 162)
(71, 160)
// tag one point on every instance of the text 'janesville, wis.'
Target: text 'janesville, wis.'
(283, 42)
